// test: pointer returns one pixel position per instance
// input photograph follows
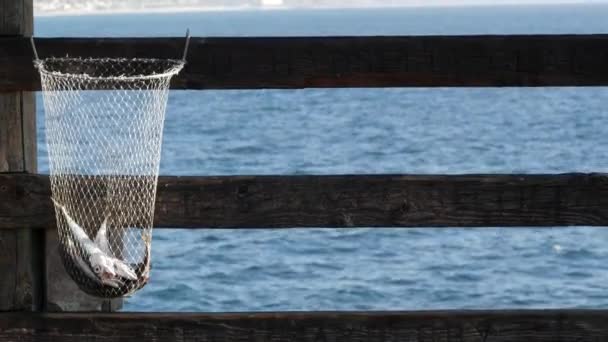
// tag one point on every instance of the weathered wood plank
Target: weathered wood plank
(11, 134)
(20, 260)
(14, 18)
(8, 265)
(454, 326)
(23, 260)
(346, 201)
(27, 18)
(311, 62)
(28, 128)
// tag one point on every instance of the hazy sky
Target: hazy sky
(495, 2)
(125, 5)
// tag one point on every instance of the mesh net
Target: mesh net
(104, 121)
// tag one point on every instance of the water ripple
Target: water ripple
(345, 131)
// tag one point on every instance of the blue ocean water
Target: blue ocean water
(371, 131)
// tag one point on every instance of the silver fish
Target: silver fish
(120, 267)
(103, 265)
(81, 263)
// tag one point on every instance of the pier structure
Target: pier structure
(38, 301)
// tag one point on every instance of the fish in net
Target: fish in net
(104, 122)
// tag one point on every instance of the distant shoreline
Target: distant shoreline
(77, 12)
(142, 11)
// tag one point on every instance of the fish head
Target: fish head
(103, 268)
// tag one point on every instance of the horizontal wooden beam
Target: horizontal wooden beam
(319, 62)
(345, 201)
(457, 326)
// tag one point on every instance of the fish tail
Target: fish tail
(61, 207)
(78, 231)
(57, 204)
(63, 210)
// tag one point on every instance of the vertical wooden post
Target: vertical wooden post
(20, 250)
(32, 275)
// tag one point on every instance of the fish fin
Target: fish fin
(123, 270)
(101, 240)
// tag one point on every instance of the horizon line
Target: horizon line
(182, 9)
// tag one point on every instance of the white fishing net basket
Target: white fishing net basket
(104, 124)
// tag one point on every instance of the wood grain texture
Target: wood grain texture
(13, 18)
(27, 17)
(346, 201)
(8, 265)
(18, 154)
(11, 133)
(29, 134)
(313, 62)
(21, 259)
(453, 326)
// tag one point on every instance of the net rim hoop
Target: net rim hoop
(177, 66)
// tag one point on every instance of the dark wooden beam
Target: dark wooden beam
(21, 250)
(318, 62)
(345, 201)
(457, 326)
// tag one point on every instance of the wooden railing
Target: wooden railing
(345, 201)
(447, 326)
(335, 201)
(334, 62)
